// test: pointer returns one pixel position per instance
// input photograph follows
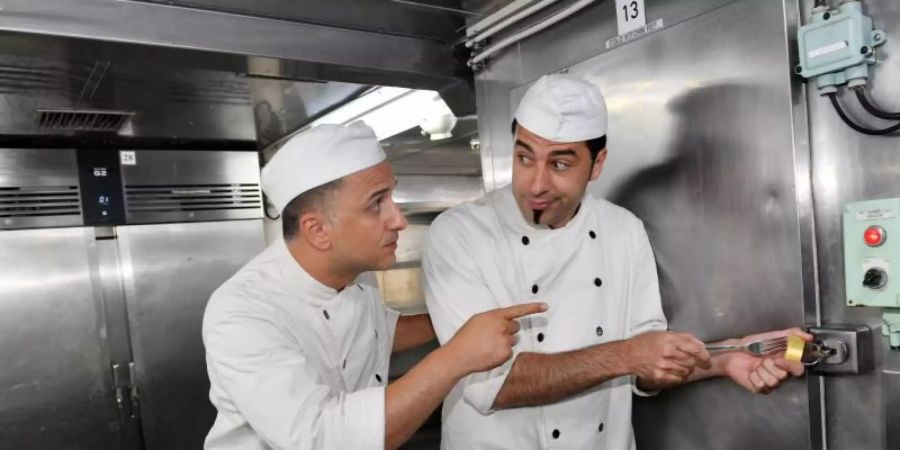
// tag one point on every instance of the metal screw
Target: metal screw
(864, 50)
(827, 16)
(798, 69)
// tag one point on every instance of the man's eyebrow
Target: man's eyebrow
(563, 152)
(379, 193)
(383, 190)
(519, 143)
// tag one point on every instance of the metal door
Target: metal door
(54, 368)
(703, 148)
(169, 272)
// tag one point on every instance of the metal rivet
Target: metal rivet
(525, 240)
(600, 428)
(827, 16)
(327, 317)
(555, 434)
(378, 377)
(598, 282)
(864, 50)
(599, 331)
(540, 337)
(592, 234)
(534, 289)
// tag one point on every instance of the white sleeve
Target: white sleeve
(454, 292)
(281, 397)
(645, 306)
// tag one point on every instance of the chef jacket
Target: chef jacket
(597, 274)
(294, 364)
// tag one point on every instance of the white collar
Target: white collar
(298, 280)
(511, 217)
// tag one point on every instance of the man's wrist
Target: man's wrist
(449, 361)
(616, 357)
(722, 364)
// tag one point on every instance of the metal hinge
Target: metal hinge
(128, 400)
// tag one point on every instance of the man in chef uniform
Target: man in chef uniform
(298, 343)
(571, 382)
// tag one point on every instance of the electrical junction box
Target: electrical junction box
(837, 46)
(872, 259)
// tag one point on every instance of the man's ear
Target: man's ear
(316, 229)
(598, 164)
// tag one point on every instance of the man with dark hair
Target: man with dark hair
(298, 342)
(604, 338)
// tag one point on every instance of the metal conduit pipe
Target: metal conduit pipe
(540, 26)
(513, 19)
(504, 12)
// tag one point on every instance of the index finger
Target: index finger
(516, 311)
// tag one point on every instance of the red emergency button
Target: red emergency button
(874, 236)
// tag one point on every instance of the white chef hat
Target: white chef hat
(317, 156)
(563, 108)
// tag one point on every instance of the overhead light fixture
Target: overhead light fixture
(391, 111)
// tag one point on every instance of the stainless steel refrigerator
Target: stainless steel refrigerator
(107, 259)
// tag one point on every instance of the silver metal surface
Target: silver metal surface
(38, 188)
(159, 96)
(891, 388)
(182, 185)
(848, 167)
(169, 272)
(435, 175)
(702, 149)
(431, 193)
(188, 80)
(327, 49)
(106, 277)
(281, 107)
(55, 370)
(413, 19)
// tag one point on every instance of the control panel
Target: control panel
(872, 259)
(100, 178)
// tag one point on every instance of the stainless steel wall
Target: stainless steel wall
(705, 143)
(848, 167)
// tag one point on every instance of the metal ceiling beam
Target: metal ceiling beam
(306, 51)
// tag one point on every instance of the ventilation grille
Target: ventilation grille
(194, 197)
(82, 120)
(39, 201)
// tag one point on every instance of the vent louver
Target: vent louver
(83, 120)
(17, 202)
(199, 197)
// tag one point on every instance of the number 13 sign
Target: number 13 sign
(630, 15)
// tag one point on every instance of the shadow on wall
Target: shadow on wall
(720, 213)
